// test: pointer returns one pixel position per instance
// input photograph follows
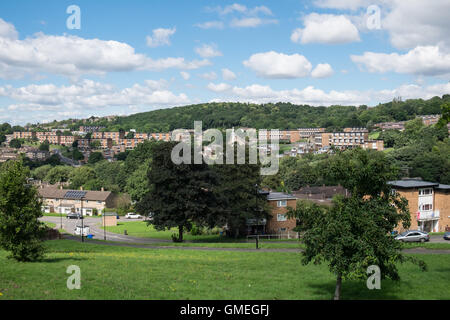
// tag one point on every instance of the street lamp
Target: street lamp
(82, 220)
(256, 209)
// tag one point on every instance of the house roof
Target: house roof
(411, 183)
(443, 187)
(280, 196)
(56, 193)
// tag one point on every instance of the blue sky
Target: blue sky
(134, 56)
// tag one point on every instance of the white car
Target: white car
(132, 215)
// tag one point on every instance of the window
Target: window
(281, 217)
(282, 229)
(425, 192)
(427, 207)
(282, 203)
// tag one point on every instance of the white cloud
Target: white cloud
(7, 30)
(208, 75)
(313, 96)
(343, 4)
(429, 60)
(242, 9)
(322, 70)
(74, 56)
(220, 87)
(185, 75)
(279, 65)
(251, 22)
(208, 51)
(90, 95)
(160, 37)
(210, 25)
(228, 75)
(326, 28)
(417, 23)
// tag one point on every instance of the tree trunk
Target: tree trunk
(180, 233)
(337, 292)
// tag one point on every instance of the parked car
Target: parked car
(413, 236)
(74, 215)
(132, 215)
(447, 235)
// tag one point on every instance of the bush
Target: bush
(175, 237)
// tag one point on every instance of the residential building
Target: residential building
(429, 203)
(58, 200)
(279, 202)
(24, 135)
(67, 140)
(305, 133)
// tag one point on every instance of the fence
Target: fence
(279, 236)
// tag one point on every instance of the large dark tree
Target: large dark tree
(180, 194)
(356, 231)
(21, 232)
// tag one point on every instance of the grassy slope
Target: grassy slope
(128, 273)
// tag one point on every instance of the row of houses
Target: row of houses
(427, 120)
(429, 204)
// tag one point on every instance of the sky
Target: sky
(75, 59)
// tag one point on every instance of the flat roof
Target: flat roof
(280, 196)
(412, 184)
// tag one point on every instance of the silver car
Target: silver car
(413, 236)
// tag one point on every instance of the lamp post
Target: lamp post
(82, 221)
(256, 209)
(104, 226)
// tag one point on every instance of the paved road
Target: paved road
(95, 229)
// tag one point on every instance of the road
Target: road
(95, 229)
(66, 160)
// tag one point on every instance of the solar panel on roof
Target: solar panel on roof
(74, 194)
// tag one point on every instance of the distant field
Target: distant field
(109, 272)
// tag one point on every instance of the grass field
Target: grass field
(109, 272)
(142, 230)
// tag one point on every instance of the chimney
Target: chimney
(103, 189)
(81, 188)
(60, 187)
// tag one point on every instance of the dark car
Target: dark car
(74, 215)
(447, 235)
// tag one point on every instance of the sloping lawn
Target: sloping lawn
(109, 272)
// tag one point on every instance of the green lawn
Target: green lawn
(141, 230)
(109, 272)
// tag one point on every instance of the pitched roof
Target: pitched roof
(56, 193)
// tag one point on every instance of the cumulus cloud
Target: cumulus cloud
(90, 95)
(208, 51)
(210, 25)
(326, 28)
(279, 65)
(74, 56)
(257, 93)
(426, 60)
(185, 75)
(228, 75)
(208, 75)
(240, 16)
(322, 70)
(7, 30)
(220, 87)
(160, 37)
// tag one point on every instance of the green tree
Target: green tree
(81, 176)
(179, 194)
(137, 184)
(21, 232)
(58, 174)
(15, 143)
(356, 231)
(44, 146)
(95, 157)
